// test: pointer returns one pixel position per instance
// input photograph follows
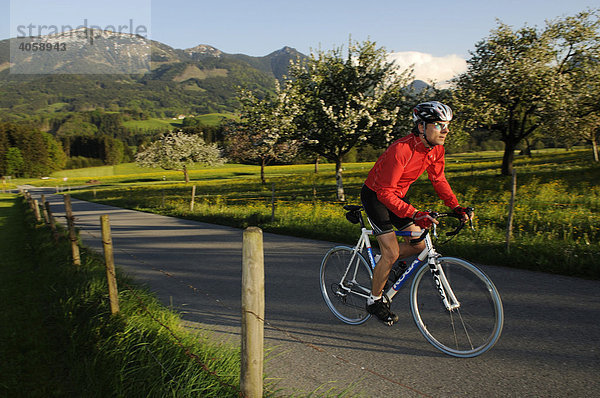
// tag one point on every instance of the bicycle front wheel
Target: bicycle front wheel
(472, 328)
(345, 279)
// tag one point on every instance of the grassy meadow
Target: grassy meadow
(210, 119)
(556, 225)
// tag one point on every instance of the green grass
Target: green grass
(210, 119)
(153, 124)
(59, 338)
(557, 218)
(26, 350)
(214, 119)
(130, 174)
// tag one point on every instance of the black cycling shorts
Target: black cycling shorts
(382, 219)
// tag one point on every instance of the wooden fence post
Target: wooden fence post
(72, 233)
(32, 203)
(51, 221)
(29, 199)
(253, 313)
(36, 210)
(109, 261)
(44, 212)
(511, 209)
(273, 202)
(193, 198)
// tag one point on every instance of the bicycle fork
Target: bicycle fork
(442, 285)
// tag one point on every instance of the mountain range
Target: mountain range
(82, 70)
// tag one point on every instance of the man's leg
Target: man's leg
(388, 244)
(390, 252)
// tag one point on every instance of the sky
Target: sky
(434, 36)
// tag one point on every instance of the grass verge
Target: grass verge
(58, 337)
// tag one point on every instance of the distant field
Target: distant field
(213, 119)
(210, 119)
(132, 174)
(57, 106)
(153, 124)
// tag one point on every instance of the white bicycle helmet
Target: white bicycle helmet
(432, 111)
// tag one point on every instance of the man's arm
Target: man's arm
(436, 175)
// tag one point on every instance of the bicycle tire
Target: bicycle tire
(346, 299)
(468, 331)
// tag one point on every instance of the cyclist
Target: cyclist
(384, 198)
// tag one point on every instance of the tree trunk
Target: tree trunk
(338, 179)
(262, 172)
(185, 174)
(527, 150)
(317, 164)
(595, 149)
(509, 156)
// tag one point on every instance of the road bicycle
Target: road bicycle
(455, 305)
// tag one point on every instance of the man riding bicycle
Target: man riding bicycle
(384, 198)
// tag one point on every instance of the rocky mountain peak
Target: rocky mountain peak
(203, 50)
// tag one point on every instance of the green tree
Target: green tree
(113, 150)
(57, 159)
(15, 164)
(35, 148)
(262, 135)
(178, 151)
(340, 101)
(4, 145)
(76, 125)
(576, 42)
(507, 85)
(531, 80)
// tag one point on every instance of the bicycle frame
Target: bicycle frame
(428, 254)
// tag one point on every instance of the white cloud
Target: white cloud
(429, 68)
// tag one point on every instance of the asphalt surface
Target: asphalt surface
(550, 346)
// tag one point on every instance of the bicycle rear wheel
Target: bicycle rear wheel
(345, 280)
(469, 330)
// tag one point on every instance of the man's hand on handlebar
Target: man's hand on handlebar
(424, 219)
(464, 213)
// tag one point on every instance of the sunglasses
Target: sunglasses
(440, 126)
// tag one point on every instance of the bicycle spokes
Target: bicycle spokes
(346, 284)
(464, 329)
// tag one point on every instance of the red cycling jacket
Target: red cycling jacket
(401, 165)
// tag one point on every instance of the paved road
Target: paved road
(549, 347)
